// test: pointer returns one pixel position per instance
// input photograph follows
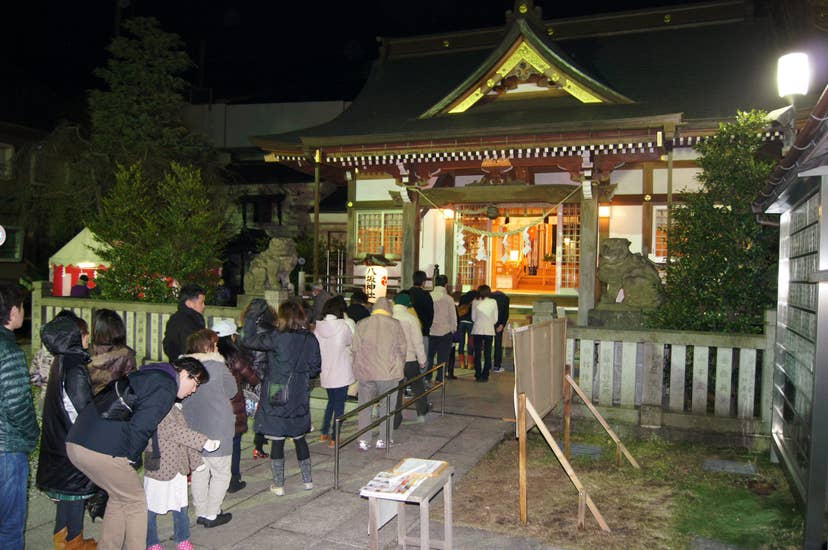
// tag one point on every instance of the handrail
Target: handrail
(389, 414)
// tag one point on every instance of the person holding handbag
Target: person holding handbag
(109, 451)
(293, 358)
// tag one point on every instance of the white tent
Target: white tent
(75, 258)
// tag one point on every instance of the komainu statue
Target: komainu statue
(271, 269)
(629, 281)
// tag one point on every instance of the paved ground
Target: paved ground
(329, 518)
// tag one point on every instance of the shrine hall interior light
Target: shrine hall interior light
(604, 211)
(448, 213)
(793, 74)
(514, 255)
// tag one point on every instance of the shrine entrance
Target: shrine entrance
(531, 248)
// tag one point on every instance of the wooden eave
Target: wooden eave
(552, 194)
(521, 35)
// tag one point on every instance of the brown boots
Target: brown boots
(80, 543)
(77, 543)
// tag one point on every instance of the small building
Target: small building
(76, 258)
(798, 193)
(505, 155)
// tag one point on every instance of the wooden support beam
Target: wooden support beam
(524, 515)
(600, 419)
(573, 477)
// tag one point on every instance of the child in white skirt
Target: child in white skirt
(166, 487)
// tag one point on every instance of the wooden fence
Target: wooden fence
(694, 380)
(144, 322)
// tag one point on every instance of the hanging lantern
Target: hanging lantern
(376, 282)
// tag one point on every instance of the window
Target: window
(570, 232)
(12, 249)
(378, 230)
(660, 233)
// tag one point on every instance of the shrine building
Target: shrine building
(505, 155)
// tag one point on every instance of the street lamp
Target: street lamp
(793, 74)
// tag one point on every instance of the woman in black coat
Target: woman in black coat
(68, 392)
(293, 358)
(109, 451)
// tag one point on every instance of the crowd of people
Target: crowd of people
(103, 417)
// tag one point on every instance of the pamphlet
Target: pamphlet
(406, 476)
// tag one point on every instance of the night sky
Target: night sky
(245, 51)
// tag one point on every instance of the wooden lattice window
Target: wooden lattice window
(376, 229)
(570, 228)
(660, 232)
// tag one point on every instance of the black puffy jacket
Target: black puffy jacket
(68, 379)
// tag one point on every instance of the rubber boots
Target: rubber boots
(277, 466)
(305, 466)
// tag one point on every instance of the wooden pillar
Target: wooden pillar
(589, 258)
(647, 245)
(351, 238)
(411, 240)
(317, 158)
(448, 260)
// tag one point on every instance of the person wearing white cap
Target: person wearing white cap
(240, 365)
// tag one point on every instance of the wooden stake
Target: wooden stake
(524, 514)
(566, 465)
(601, 421)
(567, 394)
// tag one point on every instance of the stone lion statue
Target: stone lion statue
(632, 281)
(271, 269)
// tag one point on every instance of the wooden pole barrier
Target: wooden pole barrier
(573, 477)
(567, 395)
(524, 513)
(603, 422)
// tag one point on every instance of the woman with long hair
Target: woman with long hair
(68, 393)
(111, 357)
(264, 320)
(293, 358)
(335, 334)
(109, 451)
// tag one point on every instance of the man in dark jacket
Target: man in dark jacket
(423, 304)
(358, 310)
(185, 321)
(502, 318)
(18, 423)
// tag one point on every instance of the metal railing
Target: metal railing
(389, 414)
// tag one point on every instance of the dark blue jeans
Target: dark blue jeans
(466, 335)
(69, 514)
(482, 353)
(181, 526)
(235, 459)
(14, 478)
(335, 408)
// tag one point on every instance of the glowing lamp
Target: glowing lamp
(376, 282)
(793, 74)
(604, 211)
(514, 255)
(448, 213)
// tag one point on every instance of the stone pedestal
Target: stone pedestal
(616, 319)
(273, 297)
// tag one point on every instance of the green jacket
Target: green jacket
(19, 431)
